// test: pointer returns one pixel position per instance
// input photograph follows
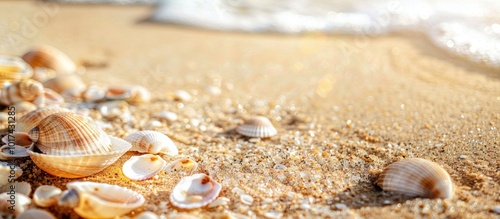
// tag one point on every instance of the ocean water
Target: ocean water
(466, 28)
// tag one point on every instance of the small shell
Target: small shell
(12, 152)
(100, 200)
(22, 201)
(32, 119)
(417, 177)
(152, 142)
(139, 94)
(118, 93)
(18, 187)
(194, 191)
(167, 115)
(46, 196)
(68, 133)
(147, 215)
(50, 57)
(65, 81)
(113, 109)
(143, 167)
(19, 138)
(182, 95)
(94, 93)
(24, 90)
(5, 173)
(49, 98)
(181, 165)
(13, 69)
(36, 214)
(258, 127)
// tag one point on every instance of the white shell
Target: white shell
(194, 191)
(7, 152)
(147, 215)
(46, 196)
(258, 127)
(94, 93)
(21, 203)
(152, 142)
(182, 95)
(143, 167)
(100, 200)
(139, 94)
(181, 165)
(113, 109)
(167, 115)
(5, 173)
(36, 214)
(417, 177)
(19, 187)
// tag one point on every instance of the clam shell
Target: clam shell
(13, 69)
(100, 200)
(258, 127)
(36, 214)
(143, 167)
(69, 133)
(32, 119)
(77, 166)
(181, 165)
(24, 90)
(22, 201)
(46, 196)
(194, 191)
(152, 142)
(16, 151)
(65, 81)
(50, 57)
(6, 175)
(19, 138)
(417, 177)
(18, 187)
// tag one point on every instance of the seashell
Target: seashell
(118, 93)
(417, 177)
(18, 138)
(50, 57)
(13, 69)
(18, 187)
(24, 90)
(258, 127)
(36, 214)
(113, 109)
(22, 202)
(182, 95)
(181, 165)
(167, 115)
(24, 107)
(139, 94)
(68, 133)
(94, 93)
(46, 196)
(100, 200)
(143, 167)
(194, 191)
(152, 142)
(147, 215)
(9, 172)
(49, 98)
(42, 74)
(12, 152)
(77, 166)
(32, 119)
(65, 81)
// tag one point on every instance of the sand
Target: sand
(344, 107)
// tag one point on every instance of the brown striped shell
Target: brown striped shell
(257, 127)
(24, 90)
(417, 177)
(49, 57)
(30, 120)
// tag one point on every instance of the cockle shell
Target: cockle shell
(12, 152)
(143, 167)
(100, 200)
(36, 214)
(417, 177)
(69, 133)
(181, 165)
(8, 173)
(32, 119)
(22, 201)
(152, 142)
(46, 196)
(13, 69)
(258, 127)
(18, 187)
(24, 90)
(50, 57)
(63, 82)
(194, 191)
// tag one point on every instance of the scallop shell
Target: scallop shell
(181, 165)
(22, 201)
(46, 196)
(258, 127)
(152, 142)
(143, 167)
(18, 138)
(18, 187)
(50, 57)
(36, 214)
(6, 174)
(100, 200)
(77, 166)
(12, 152)
(68, 133)
(194, 191)
(65, 81)
(24, 90)
(417, 177)
(13, 69)
(32, 119)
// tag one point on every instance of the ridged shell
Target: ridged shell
(50, 57)
(32, 119)
(5, 174)
(46, 196)
(24, 90)
(22, 201)
(100, 200)
(12, 152)
(77, 166)
(36, 214)
(181, 165)
(257, 127)
(152, 142)
(194, 191)
(417, 177)
(68, 133)
(19, 138)
(13, 69)
(63, 82)
(143, 167)
(18, 187)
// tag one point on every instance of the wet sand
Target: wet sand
(345, 107)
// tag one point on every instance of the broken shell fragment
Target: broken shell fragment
(46, 196)
(21, 202)
(257, 127)
(36, 214)
(417, 177)
(24, 90)
(12, 152)
(152, 142)
(143, 167)
(195, 191)
(100, 200)
(6, 174)
(49, 57)
(181, 165)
